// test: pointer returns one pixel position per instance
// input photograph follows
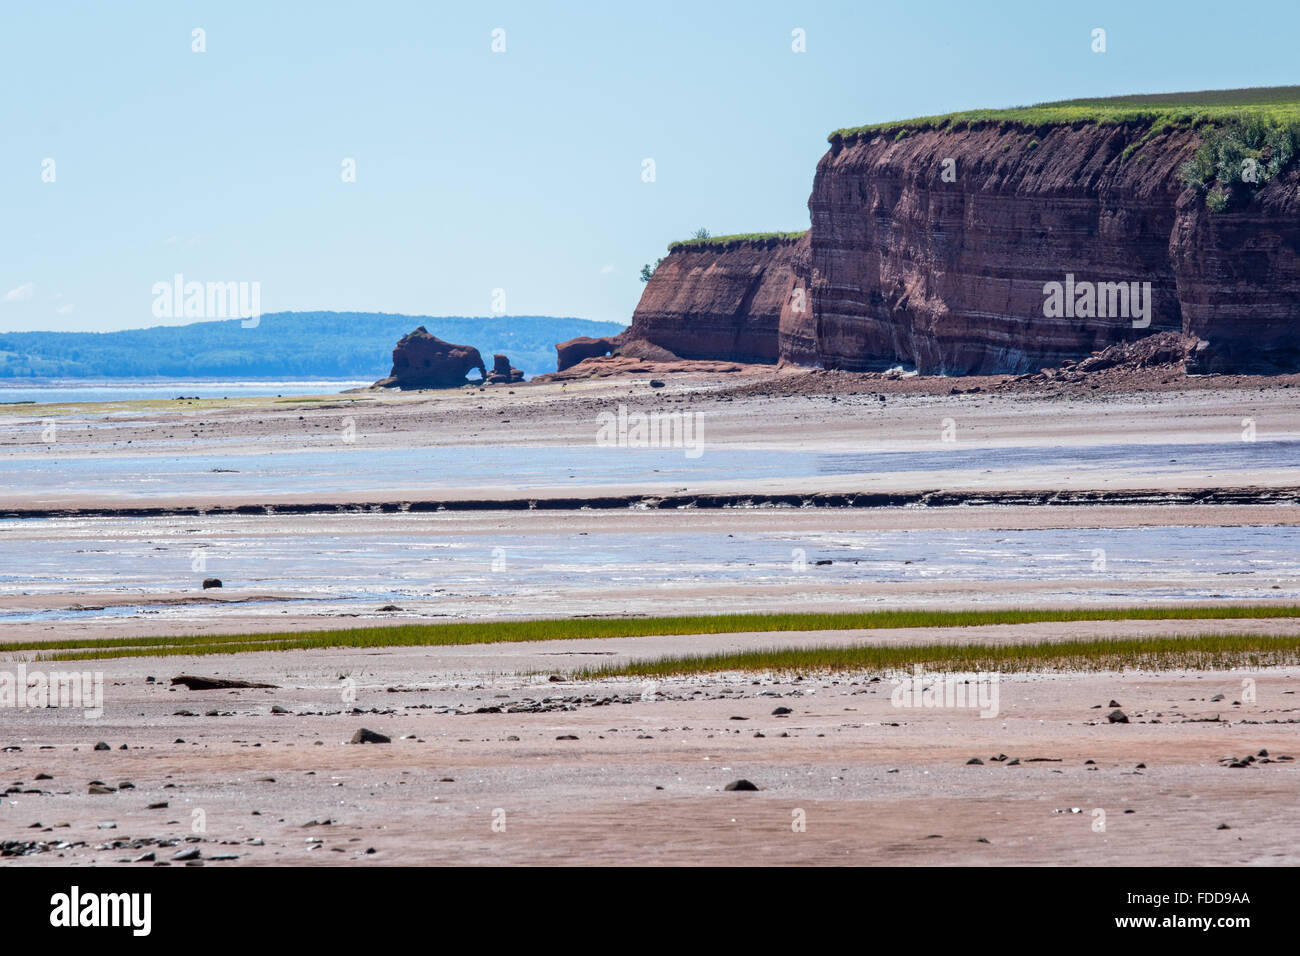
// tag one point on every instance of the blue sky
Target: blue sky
(478, 171)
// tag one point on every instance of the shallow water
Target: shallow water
(356, 566)
(346, 468)
(71, 390)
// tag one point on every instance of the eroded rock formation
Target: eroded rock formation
(570, 353)
(502, 373)
(421, 360)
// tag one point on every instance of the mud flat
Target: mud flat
(621, 772)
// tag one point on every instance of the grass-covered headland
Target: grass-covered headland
(1276, 105)
(489, 632)
(726, 242)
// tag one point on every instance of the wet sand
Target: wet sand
(357, 431)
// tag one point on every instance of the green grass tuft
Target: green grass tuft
(1278, 105)
(727, 242)
(490, 632)
(1194, 652)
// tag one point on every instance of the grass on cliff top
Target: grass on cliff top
(491, 632)
(726, 242)
(1277, 104)
(1193, 652)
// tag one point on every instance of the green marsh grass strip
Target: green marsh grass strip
(489, 632)
(1193, 652)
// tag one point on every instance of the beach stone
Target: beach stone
(190, 853)
(1117, 717)
(102, 746)
(778, 711)
(974, 761)
(215, 683)
(211, 583)
(367, 736)
(101, 788)
(741, 784)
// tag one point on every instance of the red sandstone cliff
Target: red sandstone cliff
(1238, 274)
(949, 276)
(904, 264)
(717, 299)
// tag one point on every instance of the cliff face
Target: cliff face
(797, 326)
(949, 276)
(1238, 275)
(718, 300)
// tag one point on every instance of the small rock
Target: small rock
(741, 784)
(974, 761)
(366, 736)
(208, 583)
(1117, 717)
(191, 853)
(102, 746)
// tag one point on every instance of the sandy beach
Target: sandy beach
(626, 773)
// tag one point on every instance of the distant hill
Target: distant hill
(354, 345)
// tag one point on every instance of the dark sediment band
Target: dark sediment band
(737, 500)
